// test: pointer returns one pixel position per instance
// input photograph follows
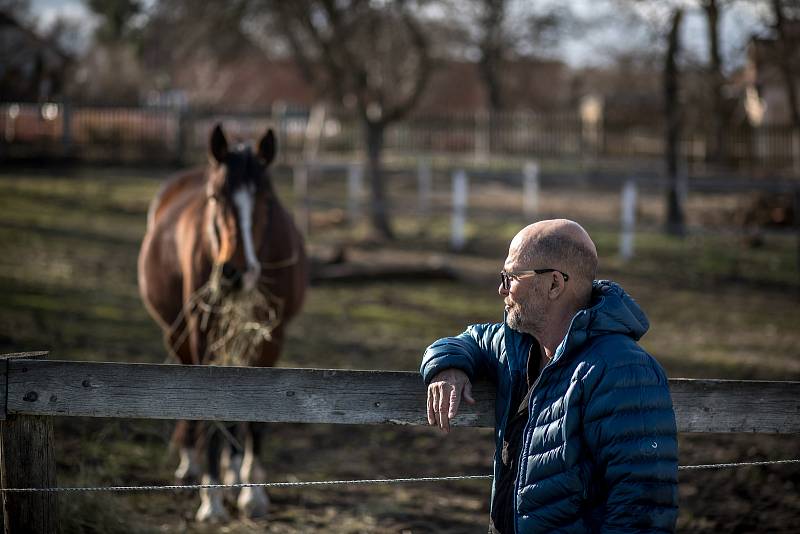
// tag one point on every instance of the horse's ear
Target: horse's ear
(218, 145)
(267, 146)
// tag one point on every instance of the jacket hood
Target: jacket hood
(612, 311)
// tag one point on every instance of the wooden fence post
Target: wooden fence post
(27, 460)
(460, 198)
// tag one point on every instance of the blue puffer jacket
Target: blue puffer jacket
(600, 450)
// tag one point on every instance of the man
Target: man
(585, 429)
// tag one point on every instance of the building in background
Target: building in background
(32, 68)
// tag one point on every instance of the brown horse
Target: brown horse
(222, 269)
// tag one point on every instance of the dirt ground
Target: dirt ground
(718, 309)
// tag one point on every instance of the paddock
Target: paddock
(719, 310)
(38, 389)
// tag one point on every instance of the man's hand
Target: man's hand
(444, 396)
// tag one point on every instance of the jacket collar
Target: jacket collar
(611, 311)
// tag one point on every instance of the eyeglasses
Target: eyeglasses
(506, 277)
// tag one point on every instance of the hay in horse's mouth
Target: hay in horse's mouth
(235, 323)
(238, 322)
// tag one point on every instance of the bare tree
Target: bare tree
(210, 34)
(115, 18)
(17, 9)
(501, 31)
(672, 112)
(664, 19)
(787, 50)
(712, 9)
(373, 56)
(493, 43)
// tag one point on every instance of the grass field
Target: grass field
(718, 309)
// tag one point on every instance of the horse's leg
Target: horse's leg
(212, 509)
(253, 501)
(231, 462)
(186, 433)
(185, 437)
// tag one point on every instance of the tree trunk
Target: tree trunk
(379, 209)
(718, 119)
(675, 214)
(489, 70)
(492, 48)
(786, 53)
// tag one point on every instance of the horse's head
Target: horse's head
(235, 213)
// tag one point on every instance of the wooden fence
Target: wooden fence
(34, 390)
(165, 134)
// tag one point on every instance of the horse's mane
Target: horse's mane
(172, 188)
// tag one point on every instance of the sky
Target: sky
(737, 25)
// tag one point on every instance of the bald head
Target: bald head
(559, 244)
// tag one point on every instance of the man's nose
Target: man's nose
(501, 290)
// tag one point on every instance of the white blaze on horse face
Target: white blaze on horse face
(211, 228)
(244, 198)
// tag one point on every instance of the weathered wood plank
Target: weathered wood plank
(4, 374)
(338, 396)
(736, 406)
(3, 388)
(27, 459)
(226, 393)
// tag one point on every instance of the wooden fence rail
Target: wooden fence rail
(71, 388)
(34, 390)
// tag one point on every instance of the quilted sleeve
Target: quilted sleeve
(629, 424)
(475, 351)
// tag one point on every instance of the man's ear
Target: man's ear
(557, 285)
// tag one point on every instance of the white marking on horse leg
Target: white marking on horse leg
(212, 509)
(253, 502)
(188, 468)
(244, 198)
(230, 466)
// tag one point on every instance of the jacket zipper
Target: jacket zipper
(551, 364)
(524, 447)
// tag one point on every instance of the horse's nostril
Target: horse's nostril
(229, 272)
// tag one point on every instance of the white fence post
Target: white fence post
(301, 211)
(354, 191)
(424, 187)
(481, 143)
(530, 189)
(628, 216)
(460, 197)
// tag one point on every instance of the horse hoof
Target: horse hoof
(212, 509)
(253, 503)
(212, 512)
